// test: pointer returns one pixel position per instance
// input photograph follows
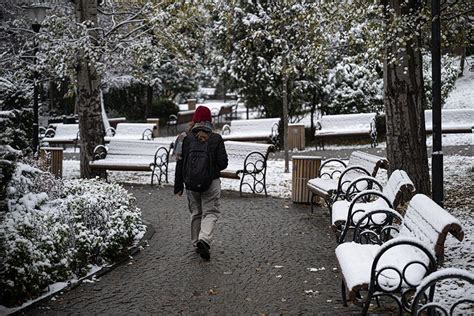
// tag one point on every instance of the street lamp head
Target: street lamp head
(36, 13)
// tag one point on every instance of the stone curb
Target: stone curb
(150, 231)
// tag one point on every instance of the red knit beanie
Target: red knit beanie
(202, 113)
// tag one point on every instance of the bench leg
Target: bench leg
(343, 292)
(312, 202)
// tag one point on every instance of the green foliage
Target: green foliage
(162, 109)
(127, 101)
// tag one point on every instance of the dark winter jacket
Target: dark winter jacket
(217, 153)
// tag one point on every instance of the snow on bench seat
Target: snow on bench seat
(252, 130)
(356, 264)
(452, 120)
(62, 134)
(399, 188)
(346, 125)
(425, 222)
(360, 164)
(134, 155)
(247, 160)
(133, 131)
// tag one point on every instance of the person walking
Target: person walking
(201, 156)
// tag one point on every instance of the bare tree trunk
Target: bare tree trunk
(404, 108)
(88, 103)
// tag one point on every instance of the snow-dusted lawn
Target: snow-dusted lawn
(462, 97)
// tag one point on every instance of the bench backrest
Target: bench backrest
(185, 117)
(238, 151)
(451, 118)
(428, 222)
(359, 121)
(226, 109)
(134, 147)
(257, 125)
(399, 188)
(132, 130)
(67, 130)
(369, 162)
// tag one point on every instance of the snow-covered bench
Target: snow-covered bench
(398, 265)
(182, 117)
(452, 121)
(133, 155)
(131, 131)
(247, 163)
(225, 110)
(461, 300)
(346, 125)
(346, 213)
(61, 134)
(330, 187)
(252, 130)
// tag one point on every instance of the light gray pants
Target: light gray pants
(204, 208)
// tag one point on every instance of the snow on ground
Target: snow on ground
(462, 97)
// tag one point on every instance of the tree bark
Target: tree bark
(404, 109)
(88, 104)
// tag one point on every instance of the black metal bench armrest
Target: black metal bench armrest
(321, 173)
(172, 119)
(100, 152)
(161, 156)
(372, 230)
(50, 132)
(368, 183)
(226, 130)
(351, 213)
(147, 134)
(423, 300)
(342, 181)
(110, 132)
(378, 290)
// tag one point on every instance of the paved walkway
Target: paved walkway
(254, 235)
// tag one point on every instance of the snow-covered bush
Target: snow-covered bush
(55, 230)
(353, 88)
(449, 73)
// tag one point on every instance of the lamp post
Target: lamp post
(36, 13)
(437, 151)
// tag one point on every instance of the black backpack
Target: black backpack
(197, 165)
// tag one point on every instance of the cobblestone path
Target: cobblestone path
(259, 264)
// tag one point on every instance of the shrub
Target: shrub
(51, 237)
(449, 73)
(163, 108)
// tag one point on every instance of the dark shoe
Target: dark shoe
(203, 249)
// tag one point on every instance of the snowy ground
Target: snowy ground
(462, 97)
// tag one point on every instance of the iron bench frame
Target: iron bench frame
(340, 193)
(254, 169)
(371, 132)
(368, 230)
(174, 120)
(160, 162)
